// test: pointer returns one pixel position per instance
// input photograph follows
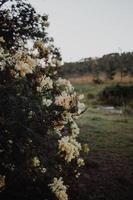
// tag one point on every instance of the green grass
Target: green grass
(89, 88)
(90, 91)
(102, 129)
(108, 172)
(105, 131)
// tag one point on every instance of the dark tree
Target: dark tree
(19, 22)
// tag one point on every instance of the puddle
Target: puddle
(110, 109)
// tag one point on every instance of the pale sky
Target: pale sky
(89, 28)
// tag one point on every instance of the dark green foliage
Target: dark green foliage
(109, 64)
(20, 21)
(117, 95)
(75, 68)
(22, 136)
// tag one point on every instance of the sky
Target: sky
(89, 28)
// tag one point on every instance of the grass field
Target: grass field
(108, 174)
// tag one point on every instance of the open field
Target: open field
(89, 79)
(108, 174)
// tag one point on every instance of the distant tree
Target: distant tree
(95, 70)
(109, 64)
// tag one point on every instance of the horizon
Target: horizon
(89, 28)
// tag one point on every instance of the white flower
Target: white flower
(41, 63)
(58, 126)
(53, 61)
(10, 141)
(24, 63)
(81, 96)
(2, 40)
(80, 162)
(36, 161)
(2, 65)
(44, 82)
(30, 114)
(67, 117)
(81, 107)
(56, 62)
(23, 68)
(77, 175)
(30, 61)
(74, 129)
(43, 170)
(2, 181)
(64, 100)
(65, 83)
(46, 102)
(59, 189)
(34, 53)
(2, 53)
(70, 147)
(42, 48)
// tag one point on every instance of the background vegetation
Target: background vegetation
(107, 126)
(109, 65)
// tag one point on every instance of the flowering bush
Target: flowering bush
(38, 109)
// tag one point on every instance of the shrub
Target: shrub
(38, 109)
(117, 95)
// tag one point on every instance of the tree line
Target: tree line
(109, 64)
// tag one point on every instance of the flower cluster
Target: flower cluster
(70, 147)
(55, 62)
(44, 82)
(65, 100)
(44, 51)
(24, 63)
(36, 162)
(64, 83)
(80, 162)
(2, 181)
(46, 102)
(59, 189)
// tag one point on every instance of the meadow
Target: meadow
(108, 174)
